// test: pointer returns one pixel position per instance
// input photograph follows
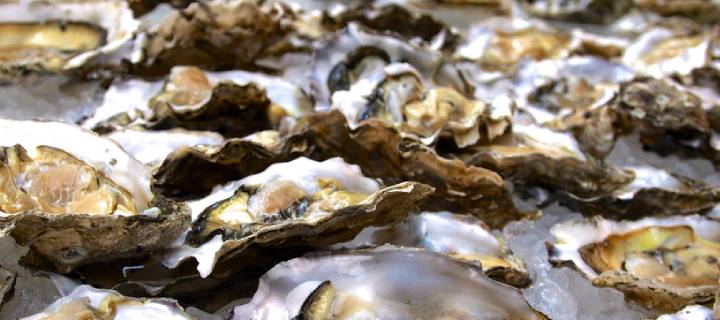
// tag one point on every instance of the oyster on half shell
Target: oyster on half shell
(460, 236)
(663, 263)
(88, 303)
(50, 37)
(383, 283)
(378, 149)
(295, 204)
(76, 198)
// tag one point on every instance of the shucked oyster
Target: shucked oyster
(499, 44)
(460, 236)
(663, 263)
(536, 156)
(583, 11)
(76, 198)
(60, 35)
(296, 204)
(666, 117)
(378, 149)
(402, 99)
(384, 283)
(88, 303)
(233, 103)
(217, 35)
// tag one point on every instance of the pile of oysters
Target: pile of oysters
(387, 159)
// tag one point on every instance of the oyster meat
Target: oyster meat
(384, 283)
(86, 302)
(663, 263)
(76, 198)
(62, 35)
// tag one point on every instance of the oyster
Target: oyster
(460, 236)
(584, 11)
(500, 44)
(667, 118)
(86, 302)
(358, 284)
(663, 263)
(324, 286)
(62, 35)
(188, 100)
(651, 191)
(75, 198)
(660, 52)
(699, 10)
(295, 204)
(234, 103)
(379, 150)
(217, 35)
(536, 156)
(399, 21)
(402, 99)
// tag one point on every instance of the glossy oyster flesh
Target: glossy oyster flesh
(664, 263)
(375, 283)
(76, 198)
(45, 37)
(297, 203)
(378, 149)
(86, 302)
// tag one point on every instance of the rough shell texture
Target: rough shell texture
(66, 241)
(202, 34)
(377, 148)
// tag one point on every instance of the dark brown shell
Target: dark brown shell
(65, 241)
(214, 36)
(233, 111)
(386, 206)
(377, 148)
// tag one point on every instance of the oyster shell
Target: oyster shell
(536, 156)
(63, 35)
(86, 302)
(379, 150)
(651, 191)
(460, 236)
(399, 21)
(217, 35)
(698, 10)
(586, 11)
(500, 44)
(75, 198)
(234, 103)
(152, 147)
(358, 284)
(663, 263)
(660, 52)
(296, 204)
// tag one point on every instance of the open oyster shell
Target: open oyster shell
(666, 117)
(533, 155)
(75, 198)
(51, 37)
(233, 103)
(378, 149)
(663, 263)
(460, 236)
(660, 51)
(386, 283)
(217, 35)
(586, 11)
(698, 10)
(86, 302)
(295, 204)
